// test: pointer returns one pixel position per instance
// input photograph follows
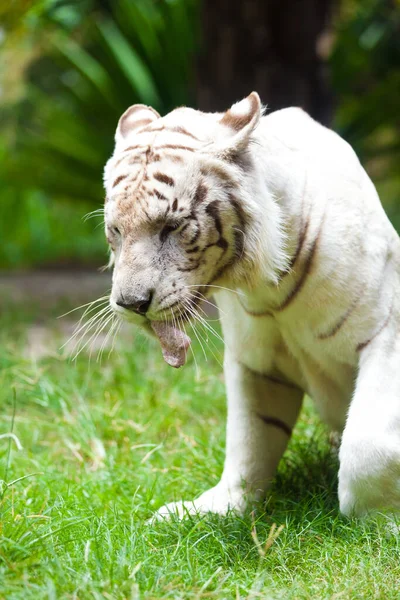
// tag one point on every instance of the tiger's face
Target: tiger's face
(174, 217)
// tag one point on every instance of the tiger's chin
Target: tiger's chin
(173, 341)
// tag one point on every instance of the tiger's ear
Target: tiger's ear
(238, 124)
(136, 117)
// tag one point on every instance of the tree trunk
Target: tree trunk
(270, 46)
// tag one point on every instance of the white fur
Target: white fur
(303, 172)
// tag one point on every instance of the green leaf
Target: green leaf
(86, 64)
(135, 70)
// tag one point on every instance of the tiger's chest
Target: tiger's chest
(287, 343)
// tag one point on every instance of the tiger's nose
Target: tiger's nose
(139, 305)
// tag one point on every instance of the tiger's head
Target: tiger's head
(179, 212)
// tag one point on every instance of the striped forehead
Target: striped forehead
(153, 166)
(151, 191)
(162, 151)
(154, 174)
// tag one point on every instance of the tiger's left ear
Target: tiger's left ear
(133, 119)
(239, 123)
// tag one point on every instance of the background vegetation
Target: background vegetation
(69, 69)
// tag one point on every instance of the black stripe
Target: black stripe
(185, 270)
(222, 243)
(306, 271)
(196, 235)
(254, 314)
(272, 378)
(134, 148)
(174, 158)
(212, 211)
(119, 179)
(239, 243)
(339, 324)
(159, 195)
(300, 243)
(175, 147)
(179, 129)
(302, 236)
(164, 178)
(221, 271)
(275, 422)
(363, 345)
(240, 214)
(200, 194)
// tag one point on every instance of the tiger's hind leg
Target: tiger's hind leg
(369, 474)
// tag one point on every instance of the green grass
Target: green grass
(76, 526)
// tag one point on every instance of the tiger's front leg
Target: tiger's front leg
(261, 414)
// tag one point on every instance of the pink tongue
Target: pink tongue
(174, 343)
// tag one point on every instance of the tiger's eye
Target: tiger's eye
(167, 229)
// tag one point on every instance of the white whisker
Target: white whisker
(116, 332)
(206, 301)
(100, 327)
(207, 326)
(219, 287)
(94, 323)
(89, 310)
(208, 341)
(86, 325)
(199, 307)
(114, 322)
(102, 299)
(195, 333)
(194, 312)
(79, 343)
(99, 212)
(191, 349)
(174, 323)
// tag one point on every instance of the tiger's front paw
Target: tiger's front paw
(217, 500)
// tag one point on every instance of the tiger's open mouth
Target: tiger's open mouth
(174, 343)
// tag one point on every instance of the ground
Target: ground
(104, 444)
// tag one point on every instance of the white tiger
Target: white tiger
(278, 209)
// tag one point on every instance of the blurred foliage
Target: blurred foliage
(70, 68)
(83, 63)
(365, 73)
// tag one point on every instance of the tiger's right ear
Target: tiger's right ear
(136, 117)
